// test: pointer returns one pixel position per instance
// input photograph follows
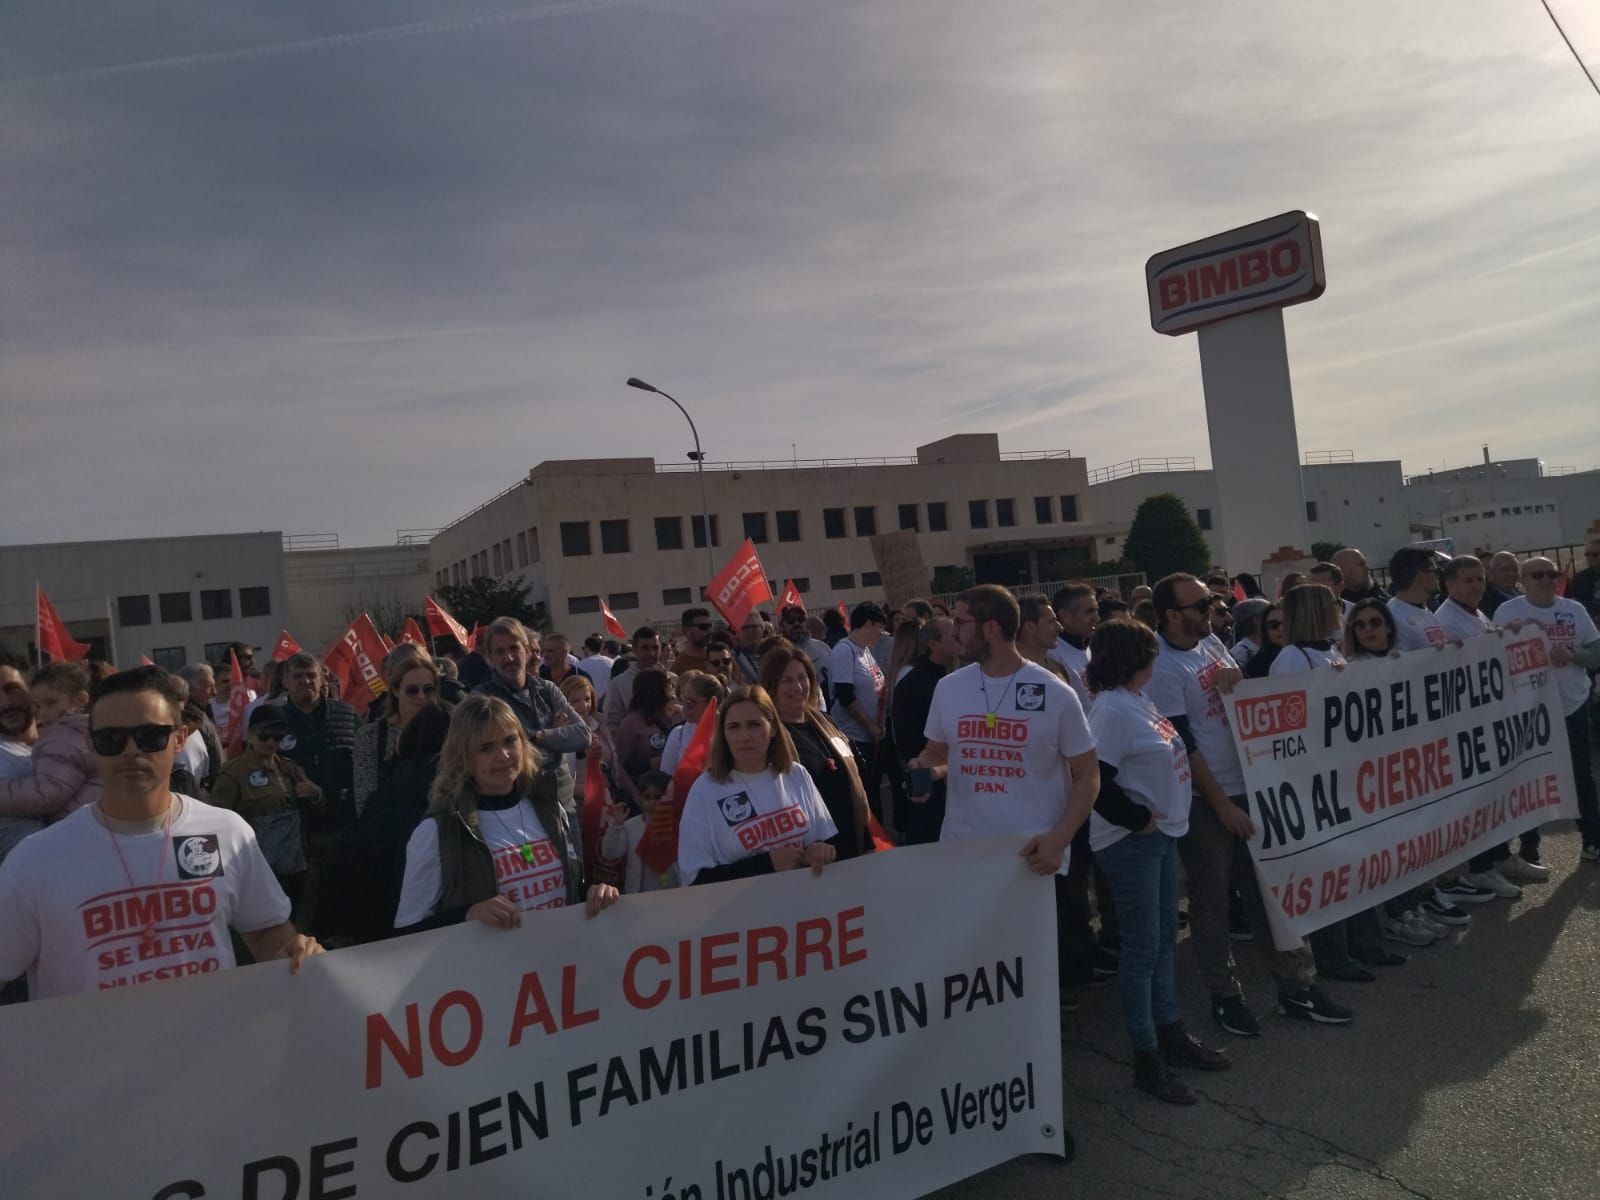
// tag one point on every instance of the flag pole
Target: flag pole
(38, 632)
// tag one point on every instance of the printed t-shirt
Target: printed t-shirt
(1415, 628)
(750, 813)
(1151, 761)
(1075, 663)
(1567, 625)
(75, 923)
(1185, 685)
(1296, 660)
(856, 666)
(527, 866)
(1461, 623)
(1006, 775)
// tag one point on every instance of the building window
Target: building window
(1005, 512)
(583, 604)
(676, 596)
(866, 520)
(1202, 518)
(1311, 510)
(1042, 510)
(871, 579)
(217, 656)
(255, 602)
(618, 601)
(574, 539)
(505, 553)
(669, 533)
(499, 566)
(978, 514)
(133, 610)
(1069, 508)
(755, 527)
(216, 604)
(833, 522)
(802, 584)
(938, 516)
(788, 525)
(533, 545)
(522, 548)
(841, 583)
(614, 537)
(908, 516)
(170, 658)
(698, 526)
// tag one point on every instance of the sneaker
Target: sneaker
(1398, 929)
(1591, 854)
(1425, 922)
(1520, 870)
(1463, 891)
(1310, 1004)
(1440, 911)
(1230, 1012)
(1530, 854)
(1494, 882)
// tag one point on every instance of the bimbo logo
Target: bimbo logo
(1271, 263)
(1225, 276)
(1526, 656)
(1270, 716)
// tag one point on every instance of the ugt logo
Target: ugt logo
(1270, 716)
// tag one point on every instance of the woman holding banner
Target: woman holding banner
(496, 842)
(1141, 812)
(755, 810)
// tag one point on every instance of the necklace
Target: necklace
(147, 936)
(991, 709)
(523, 848)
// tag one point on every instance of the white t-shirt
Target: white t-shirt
(1461, 623)
(1296, 660)
(527, 865)
(1567, 625)
(1075, 663)
(1185, 685)
(75, 924)
(1007, 773)
(1243, 649)
(598, 668)
(850, 663)
(1415, 628)
(750, 813)
(1152, 764)
(194, 756)
(677, 738)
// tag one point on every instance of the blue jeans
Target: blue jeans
(1143, 870)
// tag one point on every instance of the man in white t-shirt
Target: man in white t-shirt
(145, 884)
(1414, 576)
(1574, 652)
(1079, 613)
(859, 688)
(1193, 675)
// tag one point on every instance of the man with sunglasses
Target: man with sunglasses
(145, 884)
(719, 659)
(263, 786)
(1574, 652)
(1414, 573)
(696, 637)
(794, 624)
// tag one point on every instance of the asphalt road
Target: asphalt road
(1472, 1071)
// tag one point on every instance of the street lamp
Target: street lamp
(699, 470)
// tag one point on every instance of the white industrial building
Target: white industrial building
(1510, 504)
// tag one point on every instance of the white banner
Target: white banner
(1366, 782)
(882, 1030)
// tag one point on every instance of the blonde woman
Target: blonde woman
(1312, 621)
(496, 842)
(412, 681)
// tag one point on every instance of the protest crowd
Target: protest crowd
(486, 776)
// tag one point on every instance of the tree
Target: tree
(481, 600)
(1164, 539)
(388, 611)
(949, 580)
(1324, 551)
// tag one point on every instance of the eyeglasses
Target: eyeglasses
(111, 740)
(1199, 606)
(270, 735)
(1543, 575)
(421, 689)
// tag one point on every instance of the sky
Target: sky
(354, 266)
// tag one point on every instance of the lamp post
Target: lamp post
(699, 470)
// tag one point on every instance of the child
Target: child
(623, 834)
(64, 776)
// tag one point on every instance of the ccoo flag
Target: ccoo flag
(740, 586)
(52, 638)
(442, 624)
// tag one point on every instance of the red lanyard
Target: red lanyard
(147, 936)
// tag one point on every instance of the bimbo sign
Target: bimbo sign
(1273, 263)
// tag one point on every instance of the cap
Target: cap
(267, 715)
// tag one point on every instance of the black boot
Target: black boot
(1151, 1074)
(1182, 1049)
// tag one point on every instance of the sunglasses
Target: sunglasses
(270, 735)
(720, 662)
(421, 689)
(1543, 575)
(1199, 606)
(112, 740)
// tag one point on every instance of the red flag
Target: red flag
(53, 640)
(658, 849)
(353, 660)
(1238, 592)
(790, 597)
(740, 586)
(413, 633)
(844, 613)
(880, 839)
(596, 800)
(472, 638)
(146, 661)
(285, 647)
(441, 623)
(384, 638)
(613, 626)
(238, 697)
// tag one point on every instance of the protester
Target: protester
(1247, 632)
(1312, 622)
(1139, 815)
(90, 870)
(755, 810)
(1038, 634)
(696, 690)
(271, 792)
(719, 659)
(697, 629)
(619, 696)
(1273, 641)
(858, 695)
(596, 664)
(821, 750)
(202, 750)
(1414, 574)
(1370, 631)
(392, 815)
(1222, 620)
(1078, 614)
(939, 651)
(1503, 572)
(411, 680)
(64, 777)
(747, 650)
(624, 832)
(1358, 582)
(641, 739)
(558, 662)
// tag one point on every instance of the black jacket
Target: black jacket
(325, 747)
(913, 697)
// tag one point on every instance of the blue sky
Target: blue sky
(354, 266)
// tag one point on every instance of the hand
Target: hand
(1235, 820)
(300, 948)
(560, 718)
(601, 896)
(819, 855)
(1227, 679)
(1150, 826)
(1044, 852)
(786, 858)
(616, 814)
(1561, 656)
(497, 911)
(307, 790)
